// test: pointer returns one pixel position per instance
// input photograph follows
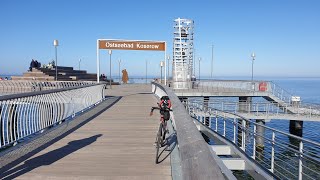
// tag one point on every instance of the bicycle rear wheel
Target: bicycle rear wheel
(158, 142)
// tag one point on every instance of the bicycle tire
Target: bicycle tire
(158, 142)
(164, 130)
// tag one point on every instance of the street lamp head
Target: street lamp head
(79, 60)
(55, 43)
(199, 58)
(253, 55)
(168, 57)
(119, 60)
(110, 52)
(161, 63)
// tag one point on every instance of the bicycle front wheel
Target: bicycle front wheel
(158, 142)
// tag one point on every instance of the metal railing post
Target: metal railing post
(254, 141)
(300, 160)
(234, 130)
(272, 151)
(224, 126)
(216, 121)
(243, 144)
(273, 90)
(210, 124)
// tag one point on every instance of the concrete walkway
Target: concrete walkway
(117, 144)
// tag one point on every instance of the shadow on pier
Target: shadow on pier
(49, 158)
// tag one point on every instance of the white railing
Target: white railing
(239, 86)
(285, 155)
(20, 86)
(266, 109)
(279, 92)
(23, 115)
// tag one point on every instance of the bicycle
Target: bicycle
(162, 131)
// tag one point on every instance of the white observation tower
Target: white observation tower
(182, 53)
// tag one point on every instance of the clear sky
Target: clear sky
(284, 34)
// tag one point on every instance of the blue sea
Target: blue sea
(308, 90)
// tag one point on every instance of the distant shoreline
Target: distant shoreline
(207, 77)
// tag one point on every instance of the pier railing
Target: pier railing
(265, 109)
(25, 114)
(234, 87)
(286, 156)
(14, 87)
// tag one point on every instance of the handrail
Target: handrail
(27, 94)
(22, 86)
(305, 154)
(264, 108)
(239, 86)
(195, 154)
(22, 115)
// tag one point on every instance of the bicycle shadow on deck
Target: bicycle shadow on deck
(168, 147)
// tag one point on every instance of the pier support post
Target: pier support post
(260, 133)
(205, 109)
(206, 102)
(295, 127)
(244, 106)
(260, 138)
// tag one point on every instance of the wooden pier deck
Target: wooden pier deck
(117, 144)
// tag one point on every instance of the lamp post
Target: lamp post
(194, 62)
(110, 52)
(119, 70)
(146, 71)
(168, 58)
(253, 58)
(199, 67)
(212, 61)
(79, 63)
(161, 65)
(56, 44)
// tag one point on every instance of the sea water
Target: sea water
(309, 91)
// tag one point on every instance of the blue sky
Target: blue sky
(285, 35)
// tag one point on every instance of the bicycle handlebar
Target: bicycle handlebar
(153, 108)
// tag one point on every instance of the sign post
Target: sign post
(114, 44)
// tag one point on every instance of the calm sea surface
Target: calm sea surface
(309, 91)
